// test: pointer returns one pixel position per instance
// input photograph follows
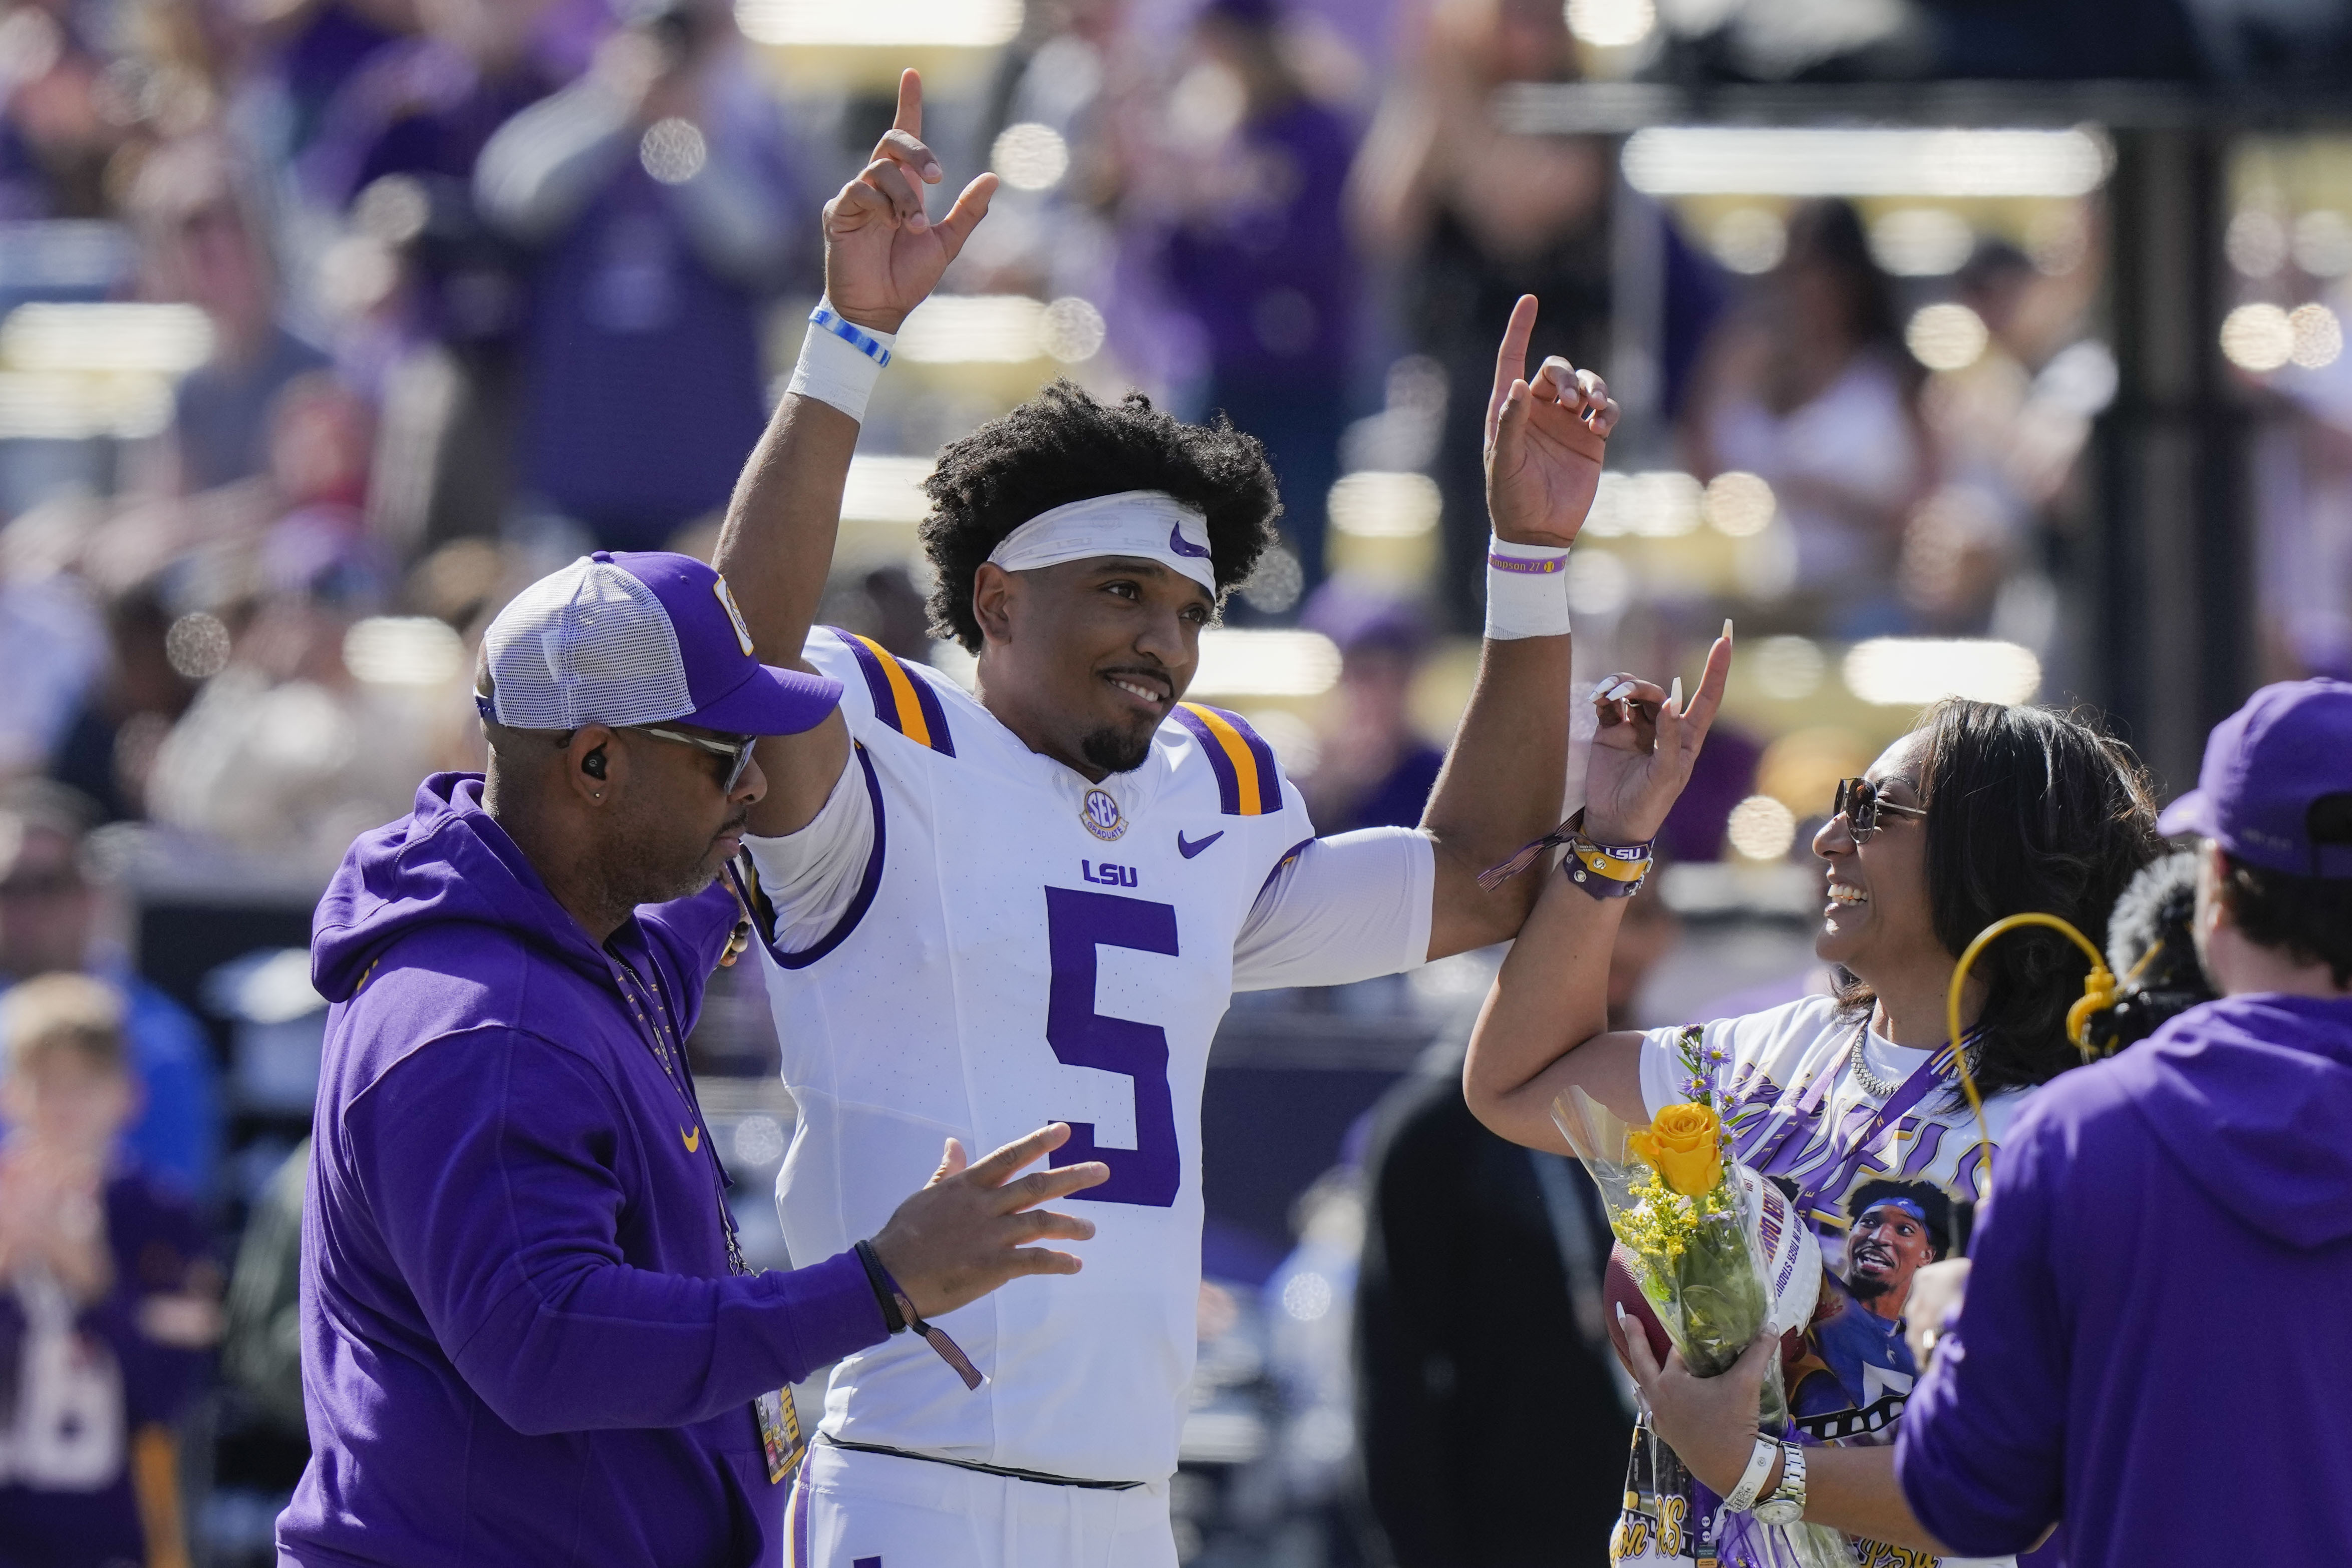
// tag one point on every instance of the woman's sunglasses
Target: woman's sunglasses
(1858, 801)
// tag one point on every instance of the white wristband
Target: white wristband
(1527, 591)
(1751, 1480)
(840, 362)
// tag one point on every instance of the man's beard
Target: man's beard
(1116, 750)
(1869, 1287)
(645, 864)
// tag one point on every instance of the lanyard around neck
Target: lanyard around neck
(657, 1028)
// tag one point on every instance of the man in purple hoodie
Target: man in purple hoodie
(2153, 1344)
(529, 1336)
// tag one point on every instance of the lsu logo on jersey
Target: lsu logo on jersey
(734, 616)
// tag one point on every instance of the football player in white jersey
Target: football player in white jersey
(1035, 902)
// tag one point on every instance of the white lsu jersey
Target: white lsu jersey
(1001, 943)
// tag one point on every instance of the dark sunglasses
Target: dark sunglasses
(1859, 802)
(737, 751)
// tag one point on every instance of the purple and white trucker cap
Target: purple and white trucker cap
(640, 637)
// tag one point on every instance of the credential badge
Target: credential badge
(743, 632)
(1101, 815)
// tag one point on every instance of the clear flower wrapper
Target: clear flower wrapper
(1719, 1255)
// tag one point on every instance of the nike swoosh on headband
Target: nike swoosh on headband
(1126, 523)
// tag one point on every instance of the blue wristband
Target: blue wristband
(851, 334)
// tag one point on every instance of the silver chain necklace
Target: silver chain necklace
(1874, 1086)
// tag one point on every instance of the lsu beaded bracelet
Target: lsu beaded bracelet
(1607, 870)
(1604, 871)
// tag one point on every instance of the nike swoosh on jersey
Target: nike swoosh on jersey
(1189, 850)
(693, 1141)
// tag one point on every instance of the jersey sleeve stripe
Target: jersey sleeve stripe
(935, 717)
(1257, 787)
(756, 903)
(900, 700)
(1221, 761)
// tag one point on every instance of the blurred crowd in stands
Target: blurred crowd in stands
(482, 283)
(432, 294)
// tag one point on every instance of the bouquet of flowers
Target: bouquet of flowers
(1719, 1255)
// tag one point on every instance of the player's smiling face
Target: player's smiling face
(1083, 661)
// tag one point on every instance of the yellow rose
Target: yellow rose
(1685, 1146)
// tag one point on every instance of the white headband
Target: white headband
(1148, 523)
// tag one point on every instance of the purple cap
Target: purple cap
(641, 637)
(2266, 766)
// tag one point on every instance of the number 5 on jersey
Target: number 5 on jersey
(1077, 925)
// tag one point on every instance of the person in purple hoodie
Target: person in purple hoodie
(529, 1336)
(2152, 1344)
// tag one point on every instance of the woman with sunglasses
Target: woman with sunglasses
(1849, 1101)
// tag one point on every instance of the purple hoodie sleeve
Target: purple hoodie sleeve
(494, 1163)
(1981, 1450)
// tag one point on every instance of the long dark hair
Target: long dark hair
(2027, 809)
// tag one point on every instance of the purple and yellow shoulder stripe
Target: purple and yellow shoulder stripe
(903, 699)
(1247, 784)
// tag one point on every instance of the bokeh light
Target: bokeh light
(197, 645)
(1915, 671)
(1921, 242)
(1749, 240)
(2255, 243)
(1277, 583)
(2323, 243)
(1945, 337)
(1739, 503)
(1072, 330)
(673, 151)
(404, 651)
(2316, 337)
(1788, 668)
(2257, 337)
(1762, 829)
(1612, 23)
(964, 23)
(759, 1140)
(1030, 156)
(1384, 506)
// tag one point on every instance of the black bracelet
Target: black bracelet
(879, 1278)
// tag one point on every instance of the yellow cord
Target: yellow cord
(2098, 994)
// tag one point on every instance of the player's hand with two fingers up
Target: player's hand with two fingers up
(971, 1227)
(883, 253)
(1546, 438)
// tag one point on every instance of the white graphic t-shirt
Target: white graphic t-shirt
(1876, 1146)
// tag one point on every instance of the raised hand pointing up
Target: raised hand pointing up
(883, 254)
(1546, 439)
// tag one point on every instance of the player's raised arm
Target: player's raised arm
(1506, 771)
(883, 254)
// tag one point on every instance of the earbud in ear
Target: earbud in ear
(592, 764)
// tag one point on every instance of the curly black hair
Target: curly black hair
(2028, 809)
(1064, 446)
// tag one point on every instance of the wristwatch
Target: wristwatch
(1759, 1464)
(1787, 1503)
